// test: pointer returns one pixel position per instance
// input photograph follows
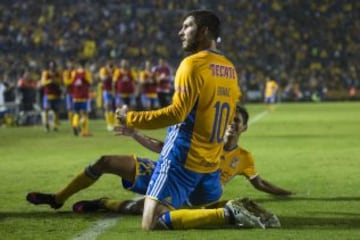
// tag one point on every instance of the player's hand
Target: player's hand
(121, 114)
(124, 131)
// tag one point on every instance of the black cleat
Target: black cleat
(37, 198)
(86, 206)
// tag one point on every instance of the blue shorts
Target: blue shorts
(149, 101)
(144, 169)
(120, 100)
(270, 99)
(81, 106)
(108, 98)
(88, 105)
(53, 104)
(174, 186)
(69, 102)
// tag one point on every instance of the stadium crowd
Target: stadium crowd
(309, 47)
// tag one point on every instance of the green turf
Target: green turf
(312, 149)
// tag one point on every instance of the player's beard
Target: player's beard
(192, 44)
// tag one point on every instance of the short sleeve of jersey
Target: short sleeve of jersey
(248, 165)
(116, 74)
(142, 75)
(103, 73)
(88, 77)
(67, 77)
(44, 76)
(73, 73)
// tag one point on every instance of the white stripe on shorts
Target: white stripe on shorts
(158, 185)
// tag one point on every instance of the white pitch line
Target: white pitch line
(257, 117)
(97, 229)
(102, 225)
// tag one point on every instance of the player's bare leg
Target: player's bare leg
(123, 166)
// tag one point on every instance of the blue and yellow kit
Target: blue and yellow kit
(206, 93)
(234, 162)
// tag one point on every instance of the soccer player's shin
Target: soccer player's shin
(70, 116)
(76, 120)
(81, 181)
(109, 117)
(85, 125)
(111, 205)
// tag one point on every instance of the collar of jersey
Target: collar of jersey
(214, 51)
(232, 148)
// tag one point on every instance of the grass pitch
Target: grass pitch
(312, 149)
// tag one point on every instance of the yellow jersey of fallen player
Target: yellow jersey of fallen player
(206, 93)
(236, 161)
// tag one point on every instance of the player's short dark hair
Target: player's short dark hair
(206, 18)
(244, 113)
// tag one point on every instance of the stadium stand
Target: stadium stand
(311, 48)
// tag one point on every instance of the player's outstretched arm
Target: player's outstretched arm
(265, 186)
(150, 143)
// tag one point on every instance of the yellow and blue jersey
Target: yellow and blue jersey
(206, 93)
(271, 88)
(234, 162)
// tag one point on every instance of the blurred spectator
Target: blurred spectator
(148, 87)
(315, 43)
(163, 77)
(124, 84)
(26, 88)
(2, 103)
(29, 113)
(51, 81)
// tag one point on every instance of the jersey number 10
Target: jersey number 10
(221, 110)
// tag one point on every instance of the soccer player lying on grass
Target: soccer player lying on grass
(136, 173)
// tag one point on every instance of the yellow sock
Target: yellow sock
(195, 218)
(111, 118)
(107, 120)
(85, 125)
(45, 116)
(131, 207)
(111, 205)
(76, 120)
(56, 120)
(70, 116)
(80, 182)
